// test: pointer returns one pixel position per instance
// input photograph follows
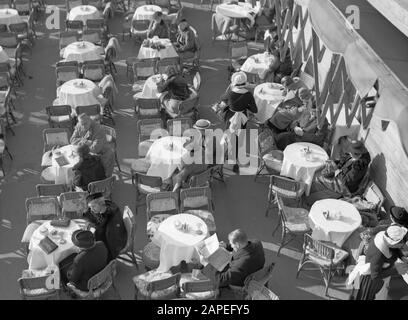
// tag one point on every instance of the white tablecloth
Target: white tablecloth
(176, 245)
(150, 87)
(167, 52)
(343, 220)
(146, 12)
(267, 97)
(239, 11)
(64, 175)
(83, 13)
(258, 63)
(82, 51)
(73, 94)
(296, 166)
(164, 161)
(9, 16)
(3, 55)
(38, 259)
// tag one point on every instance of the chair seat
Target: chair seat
(145, 189)
(151, 256)
(154, 224)
(141, 165)
(141, 282)
(144, 147)
(297, 219)
(138, 86)
(339, 256)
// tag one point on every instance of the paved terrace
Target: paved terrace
(239, 203)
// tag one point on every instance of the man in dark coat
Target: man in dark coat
(107, 220)
(88, 169)
(89, 261)
(247, 257)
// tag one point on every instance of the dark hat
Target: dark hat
(399, 215)
(358, 146)
(94, 196)
(202, 124)
(83, 239)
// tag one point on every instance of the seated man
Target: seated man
(77, 269)
(88, 169)
(177, 90)
(247, 257)
(106, 218)
(340, 178)
(278, 69)
(158, 27)
(186, 42)
(90, 133)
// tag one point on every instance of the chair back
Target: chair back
(238, 50)
(257, 291)
(177, 126)
(285, 187)
(253, 78)
(164, 63)
(41, 208)
(110, 134)
(163, 284)
(201, 179)
(105, 186)
(38, 288)
(103, 280)
(94, 72)
(140, 25)
(58, 111)
(374, 195)
(149, 129)
(95, 24)
(67, 64)
(199, 286)
(151, 181)
(92, 35)
(318, 248)
(19, 28)
(66, 73)
(55, 137)
(147, 108)
(130, 225)
(144, 68)
(161, 203)
(197, 82)
(50, 189)
(3, 27)
(73, 204)
(22, 6)
(262, 276)
(75, 25)
(92, 110)
(187, 106)
(8, 40)
(68, 37)
(196, 198)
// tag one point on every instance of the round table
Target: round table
(267, 97)
(167, 52)
(3, 55)
(165, 156)
(146, 12)
(342, 220)
(9, 16)
(150, 87)
(83, 13)
(258, 63)
(176, 245)
(64, 174)
(82, 51)
(38, 259)
(299, 167)
(74, 94)
(238, 11)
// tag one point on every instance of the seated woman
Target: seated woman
(186, 41)
(88, 169)
(177, 90)
(90, 133)
(158, 27)
(340, 178)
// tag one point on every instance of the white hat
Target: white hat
(239, 79)
(394, 234)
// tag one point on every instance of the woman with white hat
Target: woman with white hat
(375, 269)
(238, 100)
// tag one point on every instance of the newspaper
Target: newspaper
(211, 251)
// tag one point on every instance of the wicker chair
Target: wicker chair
(73, 204)
(166, 287)
(144, 185)
(127, 253)
(198, 290)
(257, 291)
(74, 25)
(105, 186)
(147, 108)
(55, 137)
(60, 116)
(148, 131)
(142, 69)
(201, 179)
(37, 288)
(50, 189)
(93, 111)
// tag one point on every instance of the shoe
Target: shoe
(235, 168)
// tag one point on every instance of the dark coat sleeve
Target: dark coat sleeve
(116, 234)
(76, 271)
(251, 103)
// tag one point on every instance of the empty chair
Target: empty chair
(328, 257)
(50, 189)
(177, 126)
(63, 63)
(74, 25)
(55, 137)
(151, 256)
(198, 289)
(143, 69)
(147, 108)
(148, 131)
(73, 204)
(60, 116)
(140, 29)
(93, 110)
(93, 36)
(238, 53)
(93, 71)
(164, 63)
(130, 224)
(97, 24)
(22, 31)
(257, 291)
(66, 73)
(201, 179)
(104, 186)
(145, 185)
(38, 287)
(99, 284)
(8, 40)
(67, 38)
(165, 286)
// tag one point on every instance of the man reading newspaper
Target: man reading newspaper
(245, 257)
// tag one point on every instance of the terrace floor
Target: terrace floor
(241, 202)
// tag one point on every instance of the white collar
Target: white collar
(239, 90)
(382, 245)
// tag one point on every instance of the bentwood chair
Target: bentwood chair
(111, 139)
(68, 37)
(147, 108)
(93, 36)
(149, 130)
(60, 116)
(326, 256)
(93, 111)
(256, 291)
(145, 185)
(198, 290)
(104, 186)
(201, 180)
(127, 253)
(73, 204)
(142, 69)
(53, 190)
(74, 25)
(38, 288)
(165, 288)
(55, 137)
(140, 29)
(166, 62)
